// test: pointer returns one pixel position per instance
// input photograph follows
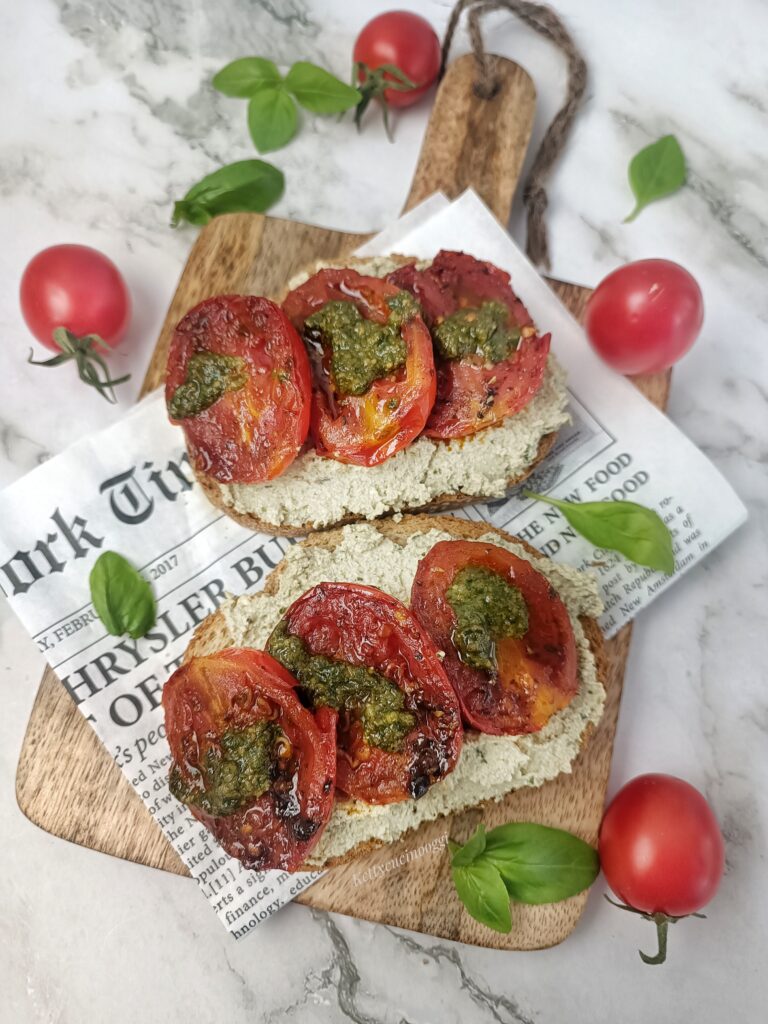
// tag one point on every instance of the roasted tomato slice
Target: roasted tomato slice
(359, 650)
(490, 360)
(250, 761)
(374, 379)
(238, 381)
(509, 646)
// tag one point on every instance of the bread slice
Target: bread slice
(315, 494)
(367, 553)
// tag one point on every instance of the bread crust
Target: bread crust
(212, 487)
(212, 635)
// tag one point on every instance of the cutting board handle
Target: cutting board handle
(476, 143)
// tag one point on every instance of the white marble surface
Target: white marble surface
(106, 117)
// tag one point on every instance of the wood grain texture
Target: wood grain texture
(68, 784)
(475, 143)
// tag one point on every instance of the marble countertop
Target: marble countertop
(107, 117)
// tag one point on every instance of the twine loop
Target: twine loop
(487, 84)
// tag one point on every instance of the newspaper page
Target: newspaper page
(130, 489)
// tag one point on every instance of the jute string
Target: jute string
(544, 21)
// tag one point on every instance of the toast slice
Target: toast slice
(385, 554)
(429, 476)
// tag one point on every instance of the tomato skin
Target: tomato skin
(644, 316)
(364, 430)
(472, 395)
(256, 432)
(228, 691)
(76, 287)
(660, 846)
(362, 625)
(410, 43)
(537, 673)
(455, 279)
(464, 390)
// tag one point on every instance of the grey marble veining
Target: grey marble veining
(108, 116)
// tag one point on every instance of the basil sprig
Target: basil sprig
(248, 186)
(272, 114)
(637, 532)
(252, 186)
(122, 598)
(656, 171)
(520, 861)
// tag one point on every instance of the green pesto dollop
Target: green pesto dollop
(362, 351)
(337, 684)
(487, 608)
(480, 330)
(209, 376)
(239, 771)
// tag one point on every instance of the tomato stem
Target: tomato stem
(662, 922)
(373, 84)
(91, 368)
(662, 926)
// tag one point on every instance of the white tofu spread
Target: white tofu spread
(317, 492)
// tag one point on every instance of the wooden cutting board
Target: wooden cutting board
(66, 781)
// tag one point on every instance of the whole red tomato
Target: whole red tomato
(406, 41)
(644, 316)
(76, 287)
(661, 850)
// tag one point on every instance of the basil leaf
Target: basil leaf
(122, 598)
(635, 531)
(244, 77)
(272, 119)
(480, 888)
(655, 172)
(540, 864)
(248, 186)
(242, 174)
(319, 91)
(472, 849)
(193, 213)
